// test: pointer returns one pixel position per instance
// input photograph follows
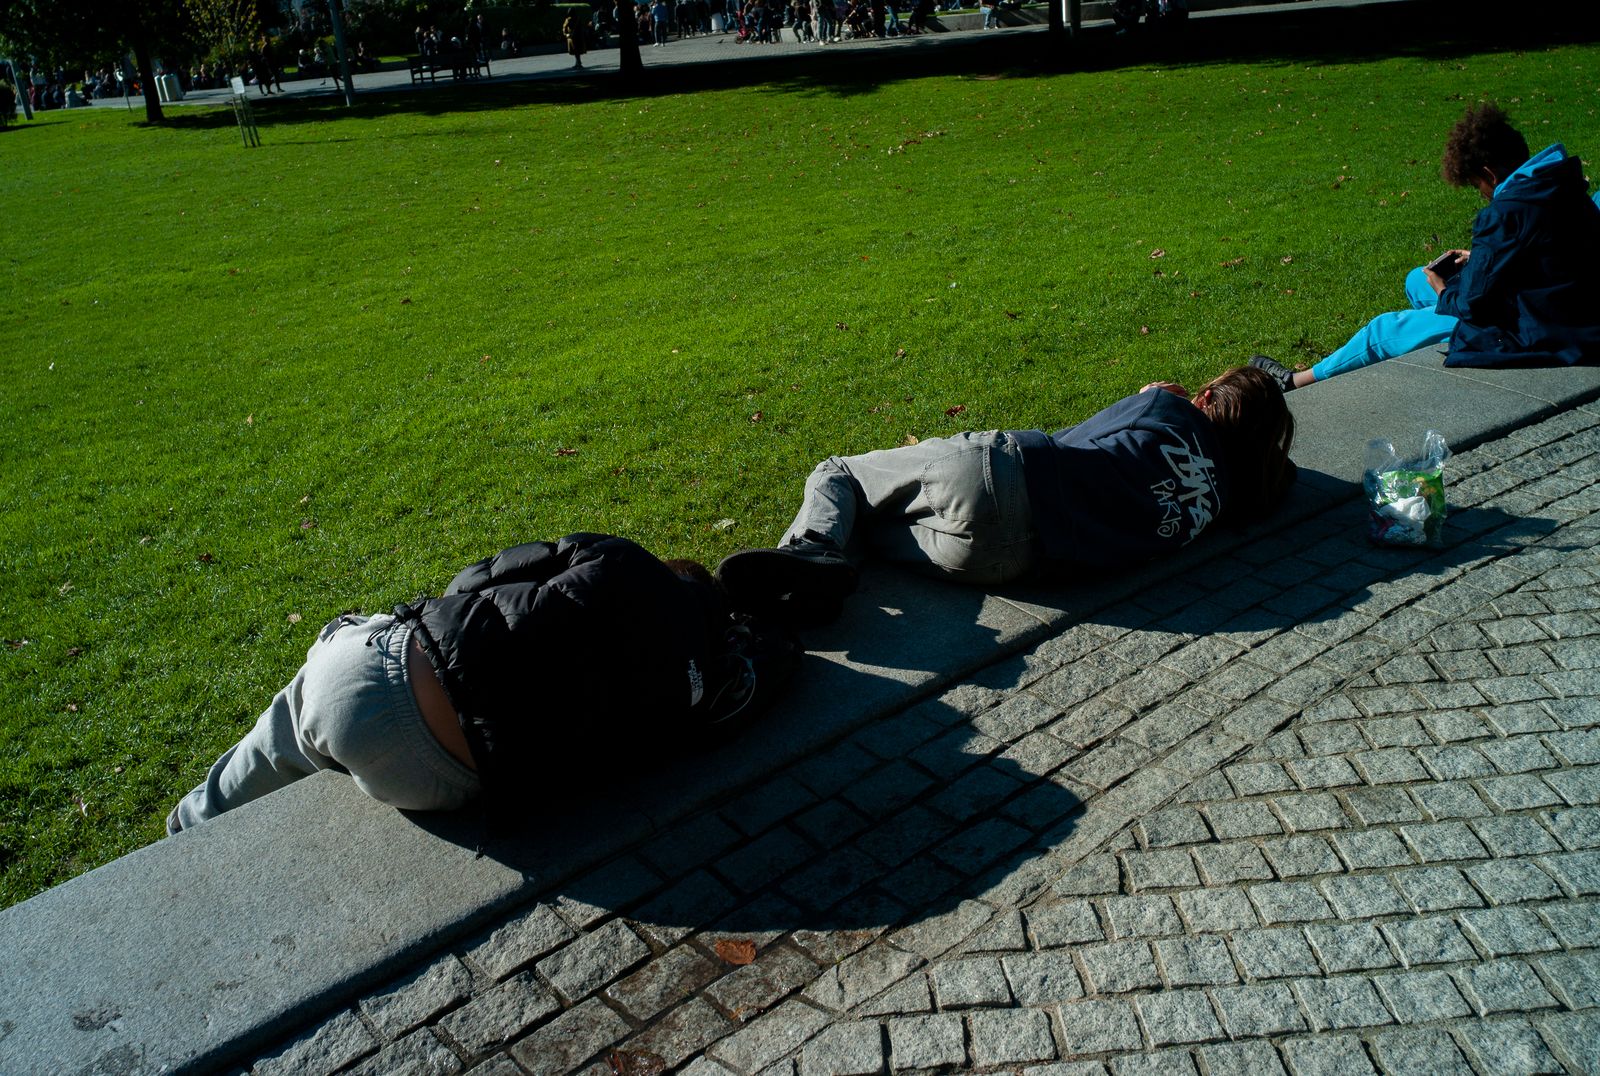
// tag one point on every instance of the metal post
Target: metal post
(16, 91)
(337, 14)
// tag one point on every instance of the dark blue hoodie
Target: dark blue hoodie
(1141, 478)
(1530, 293)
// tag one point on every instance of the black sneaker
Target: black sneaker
(1276, 370)
(803, 585)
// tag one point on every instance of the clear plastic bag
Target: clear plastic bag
(1405, 497)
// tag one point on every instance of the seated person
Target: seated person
(1526, 292)
(1142, 478)
(491, 687)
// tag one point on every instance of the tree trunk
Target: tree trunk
(628, 58)
(147, 80)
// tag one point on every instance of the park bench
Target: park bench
(456, 64)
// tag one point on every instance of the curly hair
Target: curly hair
(1256, 429)
(1482, 138)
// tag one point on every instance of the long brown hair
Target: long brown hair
(1256, 430)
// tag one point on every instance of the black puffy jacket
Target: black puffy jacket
(587, 639)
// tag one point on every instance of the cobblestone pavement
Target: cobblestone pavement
(1319, 808)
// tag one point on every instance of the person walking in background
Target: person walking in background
(576, 30)
(1527, 291)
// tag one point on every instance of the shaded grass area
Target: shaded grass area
(246, 391)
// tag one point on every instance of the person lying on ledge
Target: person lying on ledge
(1528, 290)
(1141, 479)
(475, 691)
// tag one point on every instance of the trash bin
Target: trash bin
(718, 24)
(167, 88)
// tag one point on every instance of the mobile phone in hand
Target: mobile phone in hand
(1447, 264)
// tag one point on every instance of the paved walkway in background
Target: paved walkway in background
(1316, 807)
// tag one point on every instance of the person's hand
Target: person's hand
(1438, 282)
(1169, 386)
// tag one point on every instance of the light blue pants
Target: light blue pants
(955, 506)
(350, 708)
(1388, 335)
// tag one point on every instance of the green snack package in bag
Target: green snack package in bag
(1405, 498)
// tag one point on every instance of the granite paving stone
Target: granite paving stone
(1428, 940)
(1042, 978)
(1417, 997)
(1010, 1036)
(1419, 1050)
(1431, 889)
(1099, 1026)
(851, 1049)
(1514, 835)
(925, 1042)
(417, 998)
(1256, 1010)
(1328, 1055)
(1068, 922)
(1363, 896)
(682, 1032)
(1208, 911)
(326, 1048)
(1502, 1047)
(1343, 1001)
(755, 986)
(1575, 978)
(500, 1014)
(1119, 967)
(1178, 1017)
(1236, 861)
(1242, 1059)
(1142, 917)
(1274, 953)
(1197, 961)
(1503, 986)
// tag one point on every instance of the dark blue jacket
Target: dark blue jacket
(1142, 478)
(1530, 293)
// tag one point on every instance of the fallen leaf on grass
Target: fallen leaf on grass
(756, 417)
(17, 644)
(1158, 253)
(404, 302)
(1233, 263)
(738, 952)
(911, 439)
(307, 524)
(956, 410)
(724, 525)
(1013, 315)
(1286, 259)
(566, 452)
(1144, 330)
(205, 558)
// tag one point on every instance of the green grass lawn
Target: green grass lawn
(247, 390)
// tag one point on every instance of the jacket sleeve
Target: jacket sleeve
(1471, 293)
(531, 562)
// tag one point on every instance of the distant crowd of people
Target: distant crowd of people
(763, 21)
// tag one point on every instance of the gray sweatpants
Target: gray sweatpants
(956, 506)
(351, 708)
